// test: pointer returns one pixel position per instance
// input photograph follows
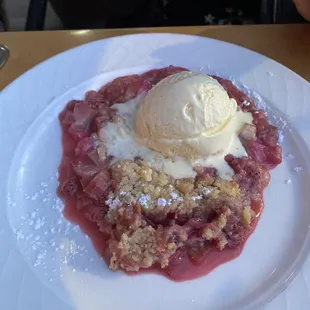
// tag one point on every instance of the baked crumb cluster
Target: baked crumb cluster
(151, 215)
(155, 189)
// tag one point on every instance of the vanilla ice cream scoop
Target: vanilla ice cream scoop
(187, 114)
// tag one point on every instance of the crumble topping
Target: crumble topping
(138, 209)
(162, 191)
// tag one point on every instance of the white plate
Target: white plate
(47, 263)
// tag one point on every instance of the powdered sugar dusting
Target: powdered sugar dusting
(161, 202)
(112, 203)
(198, 197)
(144, 199)
(246, 103)
(207, 191)
(298, 169)
(40, 258)
(46, 237)
(176, 197)
(289, 156)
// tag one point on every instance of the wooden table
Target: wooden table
(287, 44)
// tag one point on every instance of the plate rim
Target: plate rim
(7, 87)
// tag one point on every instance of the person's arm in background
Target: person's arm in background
(303, 7)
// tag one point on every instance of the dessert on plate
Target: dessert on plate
(165, 170)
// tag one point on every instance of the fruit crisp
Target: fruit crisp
(146, 218)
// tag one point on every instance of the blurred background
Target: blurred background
(19, 15)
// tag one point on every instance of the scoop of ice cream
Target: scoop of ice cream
(187, 114)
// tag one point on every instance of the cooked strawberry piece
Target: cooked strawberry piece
(99, 185)
(206, 171)
(248, 132)
(84, 146)
(174, 233)
(81, 117)
(124, 88)
(95, 99)
(85, 170)
(105, 114)
(243, 101)
(269, 135)
(269, 157)
(69, 187)
(196, 254)
(235, 230)
(251, 176)
(156, 75)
